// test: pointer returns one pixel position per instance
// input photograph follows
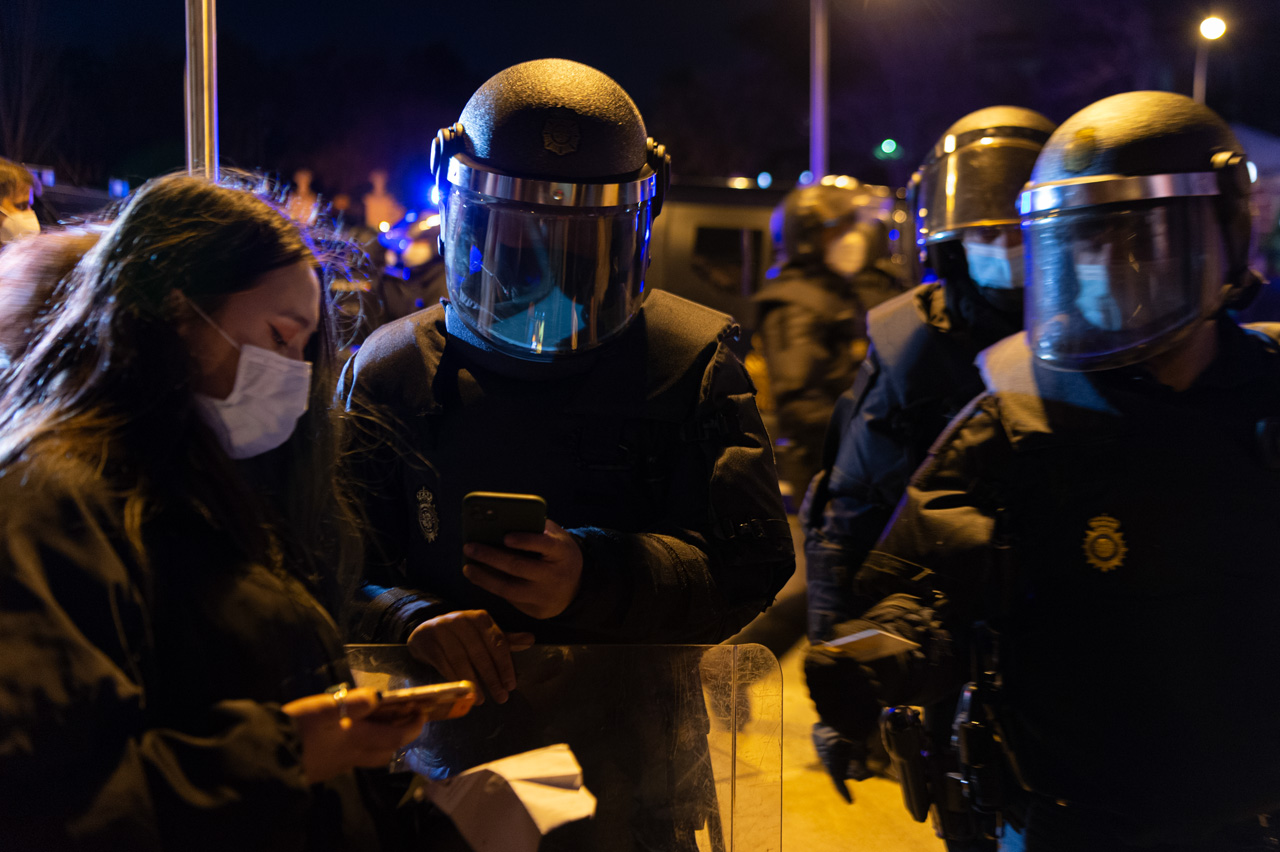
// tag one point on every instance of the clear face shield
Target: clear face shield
(544, 280)
(974, 183)
(1116, 284)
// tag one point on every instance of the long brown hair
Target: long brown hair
(109, 381)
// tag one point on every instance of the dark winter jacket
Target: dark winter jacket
(1139, 612)
(140, 694)
(649, 451)
(918, 374)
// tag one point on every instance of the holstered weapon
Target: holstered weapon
(930, 786)
(908, 745)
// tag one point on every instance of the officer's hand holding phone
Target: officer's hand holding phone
(537, 573)
(513, 551)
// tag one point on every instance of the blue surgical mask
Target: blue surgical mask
(994, 266)
(1094, 298)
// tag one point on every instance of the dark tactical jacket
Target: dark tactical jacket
(918, 374)
(649, 451)
(1140, 629)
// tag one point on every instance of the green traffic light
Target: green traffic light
(888, 146)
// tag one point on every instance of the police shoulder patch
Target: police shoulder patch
(1104, 546)
(428, 518)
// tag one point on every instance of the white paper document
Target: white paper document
(509, 804)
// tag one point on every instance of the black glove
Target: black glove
(843, 692)
(844, 758)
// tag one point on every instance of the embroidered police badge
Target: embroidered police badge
(428, 519)
(560, 136)
(1104, 546)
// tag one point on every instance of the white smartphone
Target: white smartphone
(871, 644)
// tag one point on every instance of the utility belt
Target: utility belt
(962, 770)
(969, 784)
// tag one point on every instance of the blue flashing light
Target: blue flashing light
(435, 196)
(118, 188)
(411, 216)
(419, 303)
(476, 259)
(894, 234)
(764, 180)
(806, 177)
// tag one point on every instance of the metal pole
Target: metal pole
(202, 88)
(1202, 68)
(818, 49)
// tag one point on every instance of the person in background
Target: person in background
(175, 526)
(919, 372)
(17, 194)
(810, 320)
(30, 271)
(832, 266)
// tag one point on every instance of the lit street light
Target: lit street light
(1211, 28)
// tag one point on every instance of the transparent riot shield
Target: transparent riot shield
(680, 744)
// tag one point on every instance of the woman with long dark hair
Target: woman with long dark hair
(173, 520)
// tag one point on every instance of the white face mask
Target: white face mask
(20, 223)
(269, 395)
(994, 266)
(847, 255)
(1094, 299)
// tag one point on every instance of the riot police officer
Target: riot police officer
(919, 372)
(1089, 543)
(551, 371)
(811, 316)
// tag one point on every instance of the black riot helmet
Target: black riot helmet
(1137, 226)
(801, 219)
(548, 186)
(967, 194)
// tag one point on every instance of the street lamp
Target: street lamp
(1211, 28)
(819, 44)
(202, 88)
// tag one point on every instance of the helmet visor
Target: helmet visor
(974, 186)
(541, 282)
(1114, 286)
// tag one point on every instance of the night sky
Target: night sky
(345, 87)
